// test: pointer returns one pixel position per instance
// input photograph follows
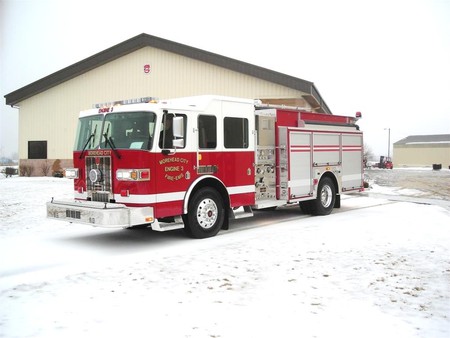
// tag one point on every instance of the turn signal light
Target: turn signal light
(144, 174)
(133, 174)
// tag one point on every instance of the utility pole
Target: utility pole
(389, 141)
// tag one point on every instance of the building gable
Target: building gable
(310, 92)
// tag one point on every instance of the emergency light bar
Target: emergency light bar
(148, 99)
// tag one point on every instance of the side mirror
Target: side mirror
(178, 136)
(178, 143)
(178, 126)
(178, 132)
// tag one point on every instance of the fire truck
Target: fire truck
(197, 162)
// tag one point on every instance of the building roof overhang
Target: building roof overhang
(424, 139)
(311, 94)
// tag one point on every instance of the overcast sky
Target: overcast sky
(389, 59)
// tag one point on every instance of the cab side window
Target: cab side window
(207, 132)
(235, 131)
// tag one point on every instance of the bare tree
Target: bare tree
(368, 153)
(45, 167)
(26, 170)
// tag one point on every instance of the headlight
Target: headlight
(133, 174)
(71, 173)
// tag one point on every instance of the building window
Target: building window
(207, 132)
(37, 150)
(235, 131)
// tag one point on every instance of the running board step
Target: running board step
(166, 226)
(242, 212)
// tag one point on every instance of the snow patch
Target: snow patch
(374, 268)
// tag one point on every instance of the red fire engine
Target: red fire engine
(196, 162)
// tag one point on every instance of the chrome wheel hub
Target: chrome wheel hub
(326, 196)
(207, 213)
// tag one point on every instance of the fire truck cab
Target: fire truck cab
(196, 162)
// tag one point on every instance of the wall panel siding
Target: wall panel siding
(422, 155)
(52, 115)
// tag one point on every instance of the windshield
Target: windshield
(88, 132)
(131, 130)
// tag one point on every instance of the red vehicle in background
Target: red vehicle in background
(385, 163)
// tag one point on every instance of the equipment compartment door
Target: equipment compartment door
(300, 164)
(326, 149)
(352, 161)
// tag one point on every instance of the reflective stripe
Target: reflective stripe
(299, 183)
(141, 199)
(355, 177)
(242, 189)
(174, 196)
(151, 199)
(170, 197)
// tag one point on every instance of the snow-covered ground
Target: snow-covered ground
(377, 267)
(423, 182)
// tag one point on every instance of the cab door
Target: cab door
(209, 159)
(174, 164)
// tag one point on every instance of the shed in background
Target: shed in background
(422, 150)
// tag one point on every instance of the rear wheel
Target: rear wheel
(205, 215)
(306, 207)
(326, 197)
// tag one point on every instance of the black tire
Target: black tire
(306, 207)
(326, 197)
(205, 215)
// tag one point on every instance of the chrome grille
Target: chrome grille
(99, 185)
(100, 196)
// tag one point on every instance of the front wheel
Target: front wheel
(326, 197)
(205, 215)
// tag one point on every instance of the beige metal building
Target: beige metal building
(142, 66)
(422, 151)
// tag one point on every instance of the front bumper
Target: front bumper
(110, 215)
